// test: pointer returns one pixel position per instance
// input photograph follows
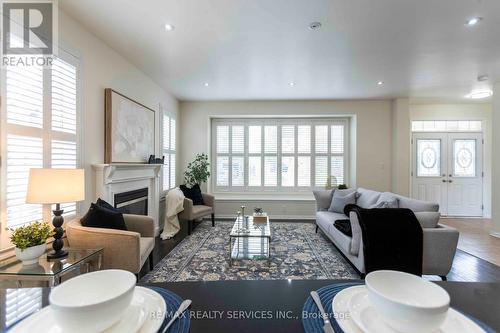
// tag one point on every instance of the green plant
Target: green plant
(31, 235)
(197, 171)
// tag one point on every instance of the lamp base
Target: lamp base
(57, 255)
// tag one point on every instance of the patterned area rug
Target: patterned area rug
(297, 252)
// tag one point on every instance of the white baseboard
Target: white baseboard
(495, 234)
(277, 217)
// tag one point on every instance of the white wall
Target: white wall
(476, 111)
(401, 147)
(373, 137)
(102, 67)
(496, 162)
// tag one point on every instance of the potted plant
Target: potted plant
(30, 241)
(197, 171)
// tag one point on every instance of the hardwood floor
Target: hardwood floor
(475, 238)
(466, 267)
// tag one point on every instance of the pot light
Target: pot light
(206, 84)
(479, 94)
(291, 84)
(380, 83)
(315, 25)
(169, 27)
(473, 21)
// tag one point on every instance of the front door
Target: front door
(447, 169)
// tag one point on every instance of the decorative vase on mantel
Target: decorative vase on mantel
(30, 255)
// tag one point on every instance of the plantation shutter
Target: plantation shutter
(21, 302)
(287, 155)
(168, 150)
(39, 132)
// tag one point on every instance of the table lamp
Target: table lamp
(56, 186)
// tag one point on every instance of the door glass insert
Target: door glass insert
(464, 158)
(428, 158)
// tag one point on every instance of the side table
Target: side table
(51, 271)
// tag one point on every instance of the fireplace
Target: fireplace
(114, 181)
(132, 202)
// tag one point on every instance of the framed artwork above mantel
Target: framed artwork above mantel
(129, 129)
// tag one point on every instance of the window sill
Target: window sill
(238, 196)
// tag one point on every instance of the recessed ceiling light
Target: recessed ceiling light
(482, 78)
(206, 84)
(292, 84)
(315, 25)
(380, 83)
(169, 27)
(473, 21)
(479, 94)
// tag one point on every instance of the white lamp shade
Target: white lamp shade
(51, 186)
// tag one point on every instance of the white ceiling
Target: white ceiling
(253, 49)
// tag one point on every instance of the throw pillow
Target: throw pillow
(104, 204)
(387, 204)
(323, 199)
(193, 193)
(100, 217)
(339, 201)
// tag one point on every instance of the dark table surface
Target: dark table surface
(276, 306)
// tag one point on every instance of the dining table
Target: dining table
(276, 305)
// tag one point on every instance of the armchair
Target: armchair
(126, 250)
(192, 212)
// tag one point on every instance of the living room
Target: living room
(217, 161)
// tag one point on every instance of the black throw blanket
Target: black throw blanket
(344, 226)
(392, 239)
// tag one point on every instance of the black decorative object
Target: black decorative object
(154, 160)
(58, 243)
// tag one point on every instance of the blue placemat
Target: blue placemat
(173, 301)
(181, 325)
(313, 323)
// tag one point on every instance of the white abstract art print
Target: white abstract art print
(130, 130)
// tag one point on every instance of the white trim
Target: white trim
(495, 234)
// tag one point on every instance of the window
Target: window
(20, 303)
(168, 140)
(446, 126)
(287, 155)
(40, 129)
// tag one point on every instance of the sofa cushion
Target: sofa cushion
(367, 198)
(417, 205)
(100, 217)
(323, 199)
(146, 245)
(428, 219)
(340, 200)
(325, 221)
(201, 210)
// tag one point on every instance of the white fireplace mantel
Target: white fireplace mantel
(111, 179)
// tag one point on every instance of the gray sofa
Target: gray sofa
(440, 242)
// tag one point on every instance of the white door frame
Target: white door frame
(439, 192)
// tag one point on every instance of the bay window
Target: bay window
(278, 154)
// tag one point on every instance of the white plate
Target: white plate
(145, 315)
(340, 307)
(367, 318)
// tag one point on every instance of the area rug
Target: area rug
(297, 252)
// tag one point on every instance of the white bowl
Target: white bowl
(93, 302)
(406, 302)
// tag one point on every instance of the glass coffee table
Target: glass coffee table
(250, 240)
(51, 271)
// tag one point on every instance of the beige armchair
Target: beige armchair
(192, 212)
(126, 250)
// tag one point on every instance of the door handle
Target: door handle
(451, 181)
(444, 180)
